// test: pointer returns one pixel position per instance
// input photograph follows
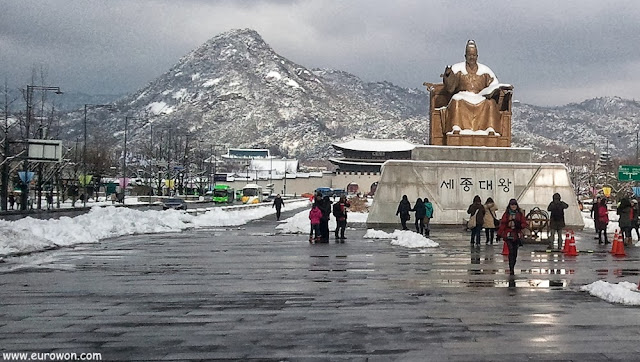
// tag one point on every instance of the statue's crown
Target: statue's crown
(471, 44)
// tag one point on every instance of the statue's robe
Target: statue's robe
(468, 108)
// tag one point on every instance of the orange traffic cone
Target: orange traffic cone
(572, 251)
(638, 285)
(614, 245)
(566, 242)
(619, 251)
(505, 248)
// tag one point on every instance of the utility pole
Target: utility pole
(124, 158)
(4, 192)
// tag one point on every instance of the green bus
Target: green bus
(223, 194)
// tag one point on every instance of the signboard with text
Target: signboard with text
(628, 173)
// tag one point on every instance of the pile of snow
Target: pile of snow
(273, 75)
(623, 292)
(300, 223)
(29, 235)
(405, 238)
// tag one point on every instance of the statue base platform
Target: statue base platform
(451, 176)
(476, 140)
(471, 154)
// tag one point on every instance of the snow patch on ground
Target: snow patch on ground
(292, 83)
(211, 82)
(622, 293)
(157, 108)
(180, 94)
(273, 75)
(405, 238)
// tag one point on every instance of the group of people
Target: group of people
(320, 214)
(628, 211)
(423, 213)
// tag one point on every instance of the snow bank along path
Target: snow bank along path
(30, 235)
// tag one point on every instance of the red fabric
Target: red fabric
(603, 214)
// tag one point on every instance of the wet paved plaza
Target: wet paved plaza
(247, 293)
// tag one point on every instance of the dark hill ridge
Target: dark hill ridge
(236, 90)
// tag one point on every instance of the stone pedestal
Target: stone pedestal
(451, 184)
(471, 154)
(479, 141)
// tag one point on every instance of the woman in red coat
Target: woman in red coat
(511, 225)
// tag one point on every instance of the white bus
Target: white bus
(252, 194)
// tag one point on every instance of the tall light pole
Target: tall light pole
(124, 156)
(84, 148)
(26, 178)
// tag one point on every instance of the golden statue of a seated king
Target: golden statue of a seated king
(470, 107)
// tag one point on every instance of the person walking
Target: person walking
(490, 221)
(421, 212)
(626, 212)
(278, 203)
(49, 200)
(427, 216)
(12, 200)
(556, 219)
(476, 210)
(340, 213)
(602, 221)
(594, 214)
(403, 210)
(315, 215)
(325, 207)
(511, 225)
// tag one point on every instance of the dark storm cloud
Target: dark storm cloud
(553, 52)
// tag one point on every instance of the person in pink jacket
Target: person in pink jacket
(315, 215)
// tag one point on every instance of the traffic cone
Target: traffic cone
(620, 250)
(638, 285)
(567, 237)
(614, 245)
(505, 248)
(572, 248)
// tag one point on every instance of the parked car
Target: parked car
(176, 204)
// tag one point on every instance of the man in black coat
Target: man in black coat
(278, 203)
(556, 223)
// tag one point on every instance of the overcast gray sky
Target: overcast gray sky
(553, 52)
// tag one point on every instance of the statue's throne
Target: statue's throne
(438, 97)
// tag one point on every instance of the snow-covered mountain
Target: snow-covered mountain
(581, 126)
(235, 90)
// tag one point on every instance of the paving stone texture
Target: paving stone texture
(248, 293)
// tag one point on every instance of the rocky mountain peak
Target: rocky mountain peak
(235, 90)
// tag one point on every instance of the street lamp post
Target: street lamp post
(84, 149)
(26, 179)
(124, 156)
